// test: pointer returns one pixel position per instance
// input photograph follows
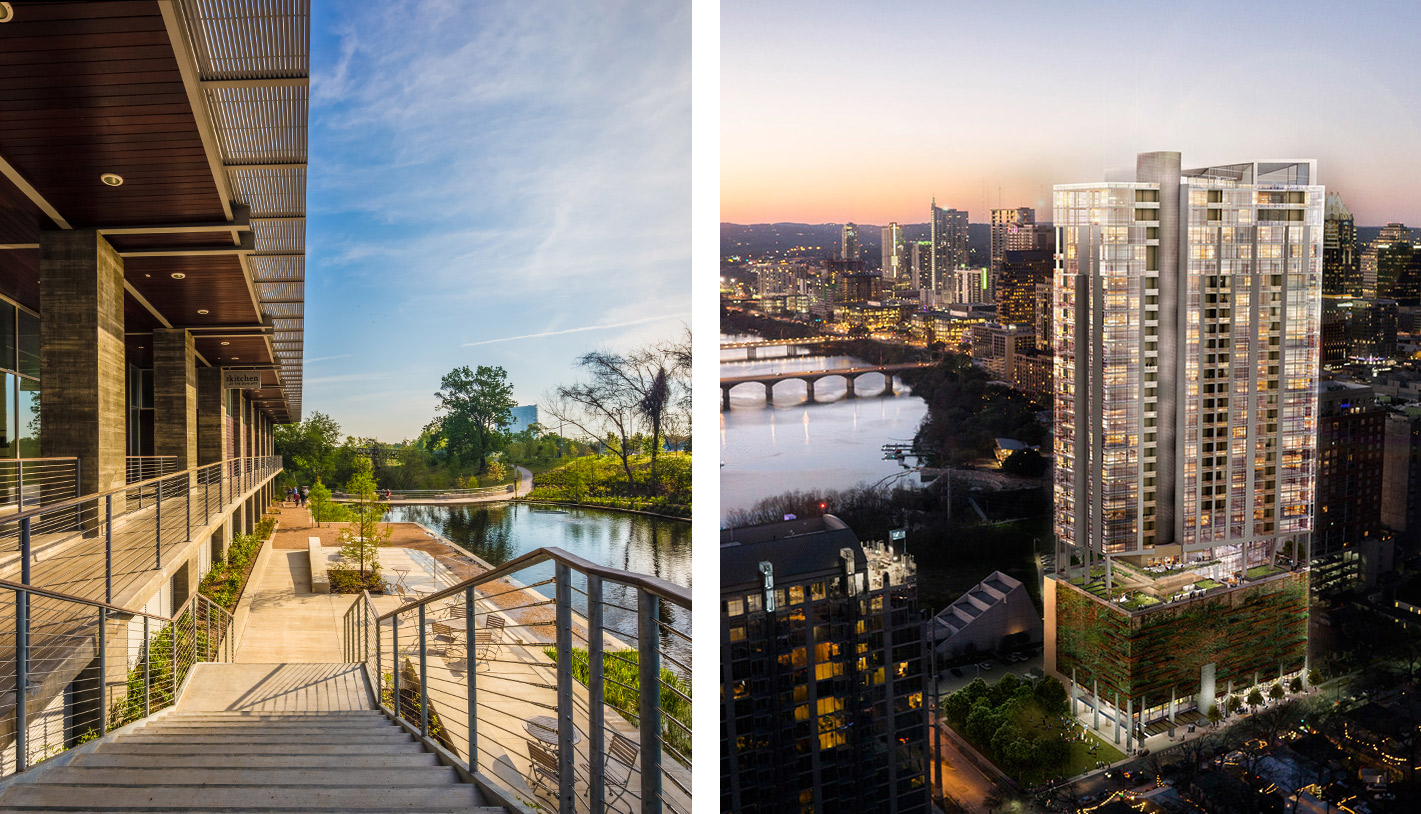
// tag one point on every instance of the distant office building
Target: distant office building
(1011, 229)
(1185, 429)
(1033, 372)
(949, 238)
(1351, 433)
(1390, 266)
(894, 253)
(1341, 263)
(1401, 477)
(521, 417)
(970, 286)
(821, 673)
(920, 264)
(849, 242)
(859, 287)
(1043, 318)
(1022, 271)
(995, 347)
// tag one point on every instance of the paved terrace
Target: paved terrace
(289, 623)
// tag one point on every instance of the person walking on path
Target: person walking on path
(305, 492)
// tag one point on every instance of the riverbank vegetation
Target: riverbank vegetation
(967, 412)
(600, 481)
(623, 407)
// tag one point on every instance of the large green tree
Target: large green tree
(308, 448)
(475, 406)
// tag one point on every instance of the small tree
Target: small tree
(1296, 685)
(1314, 676)
(322, 507)
(1235, 705)
(361, 540)
(1255, 698)
(496, 472)
(1276, 691)
(1214, 715)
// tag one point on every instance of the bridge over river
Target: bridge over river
(809, 377)
(751, 347)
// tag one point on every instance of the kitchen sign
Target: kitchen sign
(241, 380)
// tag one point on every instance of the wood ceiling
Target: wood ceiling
(147, 90)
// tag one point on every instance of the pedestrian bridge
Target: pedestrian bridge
(809, 377)
(751, 348)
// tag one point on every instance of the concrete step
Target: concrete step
(109, 797)
(399, 810)
(215, 728)
(263, 760)
(420, 776)
(163, 748)
(349, 715)
(224, 738)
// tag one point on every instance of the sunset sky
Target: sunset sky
(835, 111)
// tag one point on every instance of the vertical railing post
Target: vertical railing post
(173, 656)
(469, 631)
(395, 666)
(206, 496)
(596, 713)
(563, 639)
(188, 482)
(158, 525)
(108, 548)
(649, 662)
(78, 478)
(20, 479)
(22, 669)
(379, 664)
(147, 672)
(103, 671)
(423, 676)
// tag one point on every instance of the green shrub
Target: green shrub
(622, 690)
(346, 580)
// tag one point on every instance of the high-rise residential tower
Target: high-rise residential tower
(1341, 269)
(849, 242)
(949, 239)
(1186, 309)
(1391, 266)
(1011, 229)
(894, 253)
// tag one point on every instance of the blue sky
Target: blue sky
(481, 171)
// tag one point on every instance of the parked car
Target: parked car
(985, 666)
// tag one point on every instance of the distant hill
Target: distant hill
(822, 239)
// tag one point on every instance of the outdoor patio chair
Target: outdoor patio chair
(544, 767)
(487, 643)
(449, 639)
(617, 768)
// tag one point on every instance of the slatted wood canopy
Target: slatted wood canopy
(201, 107)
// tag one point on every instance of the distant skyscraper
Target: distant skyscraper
(849, 242)
(1011, 229)
(1391, 266)
(822, 705)
(894, 253)
(1341, 264)
(920, 264)
(1351, 438)
(949, 239)
(520, 418)
(1186, 309)
(1021, 272)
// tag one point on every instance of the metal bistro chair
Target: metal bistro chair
(450, 640)
(544, 767)
(617, 767)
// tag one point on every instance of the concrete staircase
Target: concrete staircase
(249, 760)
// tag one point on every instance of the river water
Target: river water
(499, 532)
(794, 445)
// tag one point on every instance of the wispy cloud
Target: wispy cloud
(576, 330)
(327, 358)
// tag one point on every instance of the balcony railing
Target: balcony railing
(26, 483)
(105, 545)
(565, 682)
(72, 669)
(147, 467)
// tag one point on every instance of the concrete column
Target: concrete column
(1095, 704)
(849, 383)
(175, 396)
(725, 398)
(809, 388)
(1074, 690)
(888, 384)
(1117, 717)
(1129, 723)
(82, 359)
(770, 393)
(211, 420)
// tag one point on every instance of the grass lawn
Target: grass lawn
(1080, 760)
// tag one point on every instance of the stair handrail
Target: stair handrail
(362, 616)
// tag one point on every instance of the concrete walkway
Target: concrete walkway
(276, 688)
(288, 623)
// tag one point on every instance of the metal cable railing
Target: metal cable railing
(73, 669)
(534, 675)
(26, 483)
(108, 545)
(147, 467)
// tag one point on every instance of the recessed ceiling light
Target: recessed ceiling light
(226, 343)
(202, 311)
(112, 179)
(147, 275)
(234, 357)
(178, 275)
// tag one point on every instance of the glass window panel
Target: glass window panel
(29, 344)
(8, 447)
(7, 336)
(29, 419)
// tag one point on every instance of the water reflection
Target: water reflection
(500, 532)
(840, 445)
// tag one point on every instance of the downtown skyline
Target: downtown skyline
(992, 120)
